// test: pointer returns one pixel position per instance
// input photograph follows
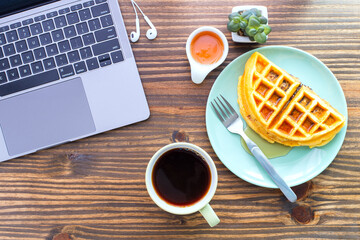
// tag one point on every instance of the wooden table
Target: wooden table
(94, 188)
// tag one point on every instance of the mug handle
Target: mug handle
(209, 215)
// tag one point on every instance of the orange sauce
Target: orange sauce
(206, 47)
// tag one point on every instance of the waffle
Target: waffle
(278, 107)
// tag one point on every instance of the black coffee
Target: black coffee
(181, 177)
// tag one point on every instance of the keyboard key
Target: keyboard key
(73, 56)
(52, 50)
(64, 10)
(86, 52)
(105, 34)
(66, 71)
(82, 28)
(9, 49)
(12, 74)
(33, 42)
(36, 29)
(12, 36)
(27, 57)
(61, 60)
(106, 47)
(24, 32)
(60, 22)
(85, 14)
(94, 24)
(76, 7)
(72, 18)
(99, 1)
(76, 43)
(99, 10)
(92, 63)
(39, 53)
(49, 63)
(106, 21)
(70, 31)
(21, 46)
(45, 39)
(57, 35)
(117, 56)
(64, 46)
(1, 53)
(4, 64)
(88, 39)
(29, 82)
(15, 60)
(15, 25)
(51, 14)
(104, 60)
(27, 21)
(80, 67)
(3, 78)
(4, 28)
(2, 39)
(24, 71)
(48, 25)
(88, 4)
(39, 18)
(37, 67)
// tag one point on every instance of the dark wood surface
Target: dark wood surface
(95, 189)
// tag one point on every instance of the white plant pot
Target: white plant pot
(245, 39)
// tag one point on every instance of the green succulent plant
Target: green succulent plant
(251, 23)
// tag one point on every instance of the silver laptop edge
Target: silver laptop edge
(114, 94)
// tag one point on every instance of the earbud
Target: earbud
(134, 36)
(150, 34)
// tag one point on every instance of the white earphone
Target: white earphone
(150, 34)
(134, 36)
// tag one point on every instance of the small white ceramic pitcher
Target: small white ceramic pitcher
(200, 71)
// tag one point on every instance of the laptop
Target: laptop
(67, 71)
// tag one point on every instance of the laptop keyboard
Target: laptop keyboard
(57, 45)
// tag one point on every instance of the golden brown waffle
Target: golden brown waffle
(278, 107)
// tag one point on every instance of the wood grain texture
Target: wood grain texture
(94, 188)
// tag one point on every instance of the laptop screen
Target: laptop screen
(8, 7)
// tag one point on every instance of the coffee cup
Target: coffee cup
(181, 178)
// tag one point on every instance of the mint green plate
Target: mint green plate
(301, 163)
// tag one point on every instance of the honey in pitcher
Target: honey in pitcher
(206, 47)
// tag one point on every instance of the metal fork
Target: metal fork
(230, 119)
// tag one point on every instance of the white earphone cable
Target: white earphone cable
(133, 2)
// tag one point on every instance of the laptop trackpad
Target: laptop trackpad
(45, 117)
